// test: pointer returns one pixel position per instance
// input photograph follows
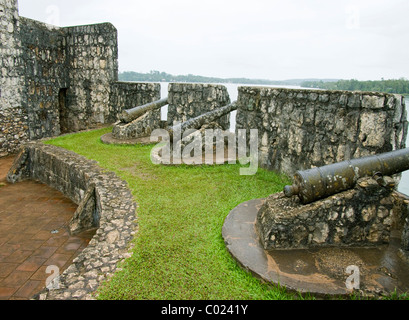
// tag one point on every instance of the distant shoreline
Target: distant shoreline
(392, 86)
(399, 86)
(156, 76)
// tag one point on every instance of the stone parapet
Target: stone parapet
(128, 95)
(300, 129)
(190, 100)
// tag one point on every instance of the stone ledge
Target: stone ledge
(105, 202)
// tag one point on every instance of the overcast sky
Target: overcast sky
(258, 39)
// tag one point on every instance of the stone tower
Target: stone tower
(54, 80)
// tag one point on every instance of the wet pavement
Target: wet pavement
(33, 235)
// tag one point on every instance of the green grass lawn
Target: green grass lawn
(179, 251)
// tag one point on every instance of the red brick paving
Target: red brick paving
(29, 214)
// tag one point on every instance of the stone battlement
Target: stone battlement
(300, 129)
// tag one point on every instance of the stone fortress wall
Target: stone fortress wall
(58, 80)
(13, 117)
(185, 101)
(188, 101)
(301, 129)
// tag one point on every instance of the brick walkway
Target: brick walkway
(33, 235)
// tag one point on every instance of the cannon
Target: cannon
(318, 183)
(198, 122)
(130, 115)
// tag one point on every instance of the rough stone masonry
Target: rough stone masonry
(186, 101)
(105, 202)
(301, 129)
(58, 80)
(362, 216)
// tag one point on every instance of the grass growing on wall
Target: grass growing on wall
(179, 252)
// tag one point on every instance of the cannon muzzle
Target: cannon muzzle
(318, 183)
(130, 115)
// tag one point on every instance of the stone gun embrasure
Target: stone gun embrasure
(318, 183)
(130, 115)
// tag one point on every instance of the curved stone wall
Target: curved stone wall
(104, 202)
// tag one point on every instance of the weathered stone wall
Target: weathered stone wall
(127, 95)
(301, 129)
(13, 129)
(190, 100)
(363, 216)
(186, 101)
(92, 54)
(13, 115)
(53, 79)
(45, 73)
(105, 202)
(58, 80)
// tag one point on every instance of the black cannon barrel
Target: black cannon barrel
(318, 183)
(198, 122)
(132, 114)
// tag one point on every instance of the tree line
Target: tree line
(399, 86)
(157, 76)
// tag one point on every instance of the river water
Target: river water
(233, 92)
